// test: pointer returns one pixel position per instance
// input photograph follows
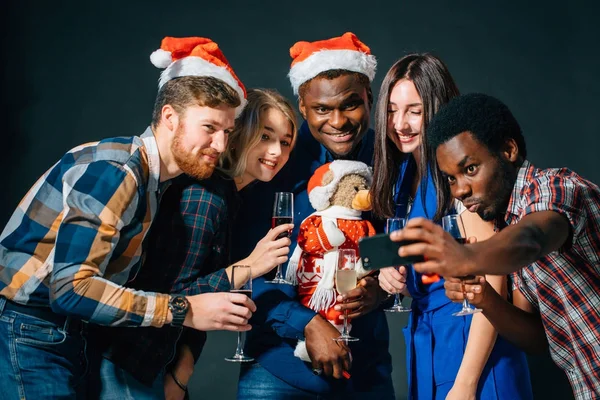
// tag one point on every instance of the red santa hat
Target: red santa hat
(344, 52)
(195, 56)
(319, 194)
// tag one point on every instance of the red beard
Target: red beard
(192, 165)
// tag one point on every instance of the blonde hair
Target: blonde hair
(249, 128)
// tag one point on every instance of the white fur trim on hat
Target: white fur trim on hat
(320, 195)
(197, 66)
(325, 60)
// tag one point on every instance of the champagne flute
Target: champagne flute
(283, 213)
(345, 281)
(453, 224)
(395, 224)
(241, 273)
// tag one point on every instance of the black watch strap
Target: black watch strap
(179, 306)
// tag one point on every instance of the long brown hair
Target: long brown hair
(435, 87)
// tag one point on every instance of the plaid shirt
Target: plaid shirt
(565, 284)
(76, 236)
(187, 243)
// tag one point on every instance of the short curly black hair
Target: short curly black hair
(485, 117)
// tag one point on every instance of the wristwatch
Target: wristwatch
(179, 306)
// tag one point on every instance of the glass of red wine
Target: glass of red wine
(453, 224)
(283, 213)
(241, 274)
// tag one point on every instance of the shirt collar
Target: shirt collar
(525, 174)
(153, 159)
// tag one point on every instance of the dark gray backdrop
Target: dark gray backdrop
(74, 72)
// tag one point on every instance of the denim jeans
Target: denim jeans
(110, 382)
(39, 359)
(256, 383)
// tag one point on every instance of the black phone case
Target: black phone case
(379, 251)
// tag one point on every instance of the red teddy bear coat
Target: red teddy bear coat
(313, 242)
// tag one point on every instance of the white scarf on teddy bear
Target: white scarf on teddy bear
(324, 296)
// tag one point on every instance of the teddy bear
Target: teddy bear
(339, 192)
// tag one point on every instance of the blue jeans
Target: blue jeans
(39, 359)
(115, 383)
(256, 383)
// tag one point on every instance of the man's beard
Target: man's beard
(192, 165)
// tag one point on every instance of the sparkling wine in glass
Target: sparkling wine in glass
(395, 224)
(283, 213)
(345, 281)
(453, 224)
(243, 275)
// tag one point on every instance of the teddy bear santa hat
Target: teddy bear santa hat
(345, 52)
(319, 195)
(195, 56)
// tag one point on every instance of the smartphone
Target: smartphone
(379, 251)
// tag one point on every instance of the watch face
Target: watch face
(179, 303)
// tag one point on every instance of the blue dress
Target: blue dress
(436, 340)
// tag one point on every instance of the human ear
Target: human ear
(169, 117)
(302, 107)
(510, 150)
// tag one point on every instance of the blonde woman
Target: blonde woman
(258, 147)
